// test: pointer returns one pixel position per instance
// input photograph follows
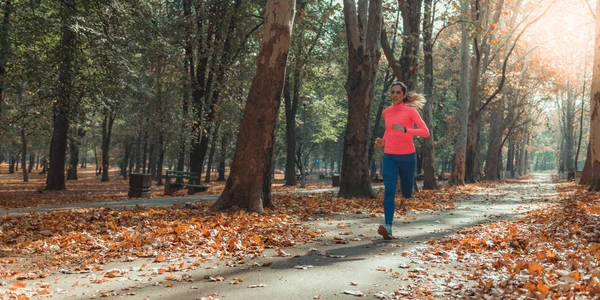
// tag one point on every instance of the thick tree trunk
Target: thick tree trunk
(245, 185)
(492, 160)
(62, 106)
(429, 178)
(595, 111)
(458, 171)
(586, 173)
(411, 26)
(363, 32)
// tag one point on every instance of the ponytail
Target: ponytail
(415, 100)
(412, 99)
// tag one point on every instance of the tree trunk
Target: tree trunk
(363, 32)
(244, 187)
(458, 171)
(510, 157)
(11, 165)
(107, 125)
(74, 144)
(595, 111)
(84, 156)
(429, 179)
(161, 159)
(62, 106)
(4, 49)
(145, 167)
(24, 154)
(411, 26)
(586, 173)
(188, 66)
(291, 108)
(222, 156)
(492, 160)
(127, 146)
(31, 163)
(211, 154)
(138, 148)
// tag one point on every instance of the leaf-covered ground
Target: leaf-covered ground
(14, 193)
(551, 253)
(36, 245)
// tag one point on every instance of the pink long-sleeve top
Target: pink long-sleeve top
(396, 141)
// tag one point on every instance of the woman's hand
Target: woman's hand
(379, 143)
(399, 127)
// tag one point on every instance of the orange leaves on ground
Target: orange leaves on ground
(17, 285)
(94, 237)
(553, 251)
(160, 258)
(535, 268)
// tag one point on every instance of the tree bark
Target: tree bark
(161, 159)
(363, 32)
(107, 125)
(222, 156)
(31, 162)
(62, 106)
(493, 160)
(429, 178)
(458, 171)
(4, 49)
(411, 26)
(74, 144)
(291, 108)
(24, 154)
(211, 154)
(244, 187)
(595, 111)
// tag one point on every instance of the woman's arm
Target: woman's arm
(421, 129)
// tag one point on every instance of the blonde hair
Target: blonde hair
(412, 99)
(415, 100)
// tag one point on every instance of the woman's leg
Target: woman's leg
(407, 174)
(390, 177)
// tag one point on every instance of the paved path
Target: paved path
(330, 269)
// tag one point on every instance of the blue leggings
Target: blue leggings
(394, 165)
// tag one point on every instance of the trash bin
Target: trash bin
(139, 185)
(335, 180)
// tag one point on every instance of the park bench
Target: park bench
(179, 176)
